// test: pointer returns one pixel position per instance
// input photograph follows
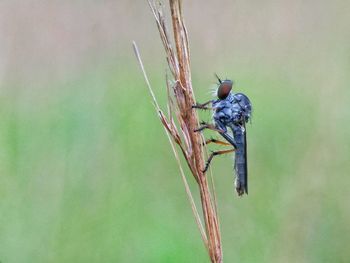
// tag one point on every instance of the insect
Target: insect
(231, 112)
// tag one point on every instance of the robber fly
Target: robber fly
(231, 111)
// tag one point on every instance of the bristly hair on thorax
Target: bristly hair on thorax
(214, 87)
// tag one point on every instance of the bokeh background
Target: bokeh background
(86, 171)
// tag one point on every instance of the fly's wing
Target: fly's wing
(240, 134)
(246, 160)
(241, 182)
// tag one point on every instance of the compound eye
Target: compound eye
(224, 89)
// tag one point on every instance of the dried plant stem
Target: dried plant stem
(187, 188)
(190, 142)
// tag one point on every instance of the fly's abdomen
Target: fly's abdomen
(241, 170)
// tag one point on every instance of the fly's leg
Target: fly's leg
(208, 126)
(202, 106)
(215, 154)
(212, 140)
(218, 128)
(225, 134)
(229, 139)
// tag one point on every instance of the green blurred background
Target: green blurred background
(86, 171)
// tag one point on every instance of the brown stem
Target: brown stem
(190, 142)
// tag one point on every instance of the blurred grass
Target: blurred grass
(87, 174)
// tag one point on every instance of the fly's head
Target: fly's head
(224, 89)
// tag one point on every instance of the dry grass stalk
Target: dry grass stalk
(190, 143)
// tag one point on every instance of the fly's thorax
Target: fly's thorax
(242, 102)
(223, 110)
(223, 103)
